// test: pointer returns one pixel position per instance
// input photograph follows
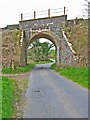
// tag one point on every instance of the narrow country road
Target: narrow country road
(50, 95)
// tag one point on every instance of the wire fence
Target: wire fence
(44, 13)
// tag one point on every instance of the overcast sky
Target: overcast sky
(10, 10)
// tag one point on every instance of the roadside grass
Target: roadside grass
(12, 97)
(7, 97)
(26, 68)
(19, 100)
(23, 69)
(0, 97)
(76, 74)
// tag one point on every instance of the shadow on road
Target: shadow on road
(43, 66)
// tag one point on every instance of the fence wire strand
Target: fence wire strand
(44, 13)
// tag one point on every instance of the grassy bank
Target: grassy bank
(7, 97)
(23, 69)
(18, 69)
(0, 97)
(13, 97)
(76, 74)
(19, 100)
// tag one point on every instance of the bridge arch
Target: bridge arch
(43, 34)
(48, 35)
(50, 28)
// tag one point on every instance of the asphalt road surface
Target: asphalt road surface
(50, 95)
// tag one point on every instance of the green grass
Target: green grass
(76, 74)
(11, 94)
(19, 93)
(26, 68)
(18, 69)
(0, 97)
(7, 97)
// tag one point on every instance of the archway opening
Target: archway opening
(41, 50)
(35, 36)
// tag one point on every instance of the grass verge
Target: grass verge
(76, 74)
(23, 69)
(7, 97)
(26, 68)
(19, 99)
(13, 97)
(0, 97)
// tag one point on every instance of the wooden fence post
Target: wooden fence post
(64, 10)
(34, 14)
(48, 12)
(21, 16)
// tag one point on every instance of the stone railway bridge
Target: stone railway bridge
(51, 29)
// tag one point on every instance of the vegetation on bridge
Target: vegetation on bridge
(10, 48)
(77, 34)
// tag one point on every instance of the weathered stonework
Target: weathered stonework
(50, 28)
(10, 48)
